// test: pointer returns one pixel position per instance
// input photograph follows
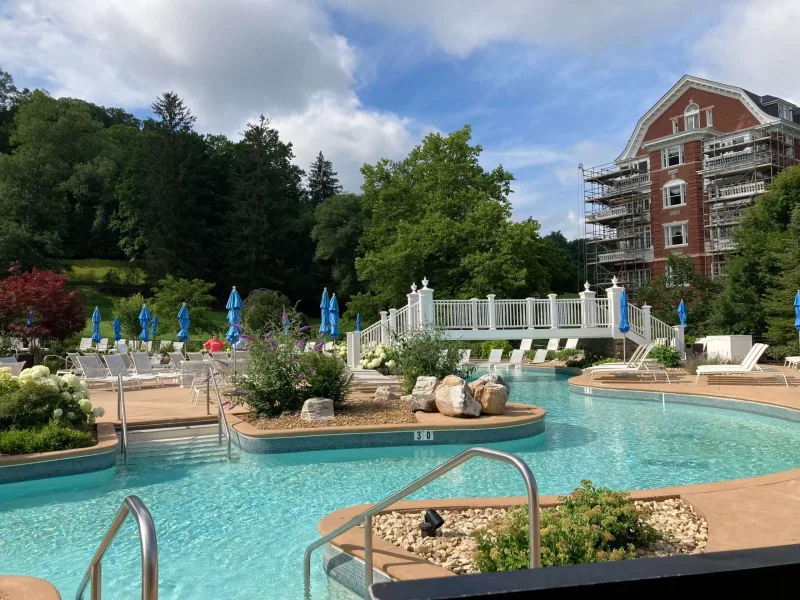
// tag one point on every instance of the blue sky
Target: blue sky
(545, 84)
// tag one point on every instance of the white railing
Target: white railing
(723, 244)
(541, 314)
(454, 314)
(735, 191)
(598, 311)
(511, 314)
(724, 218)
(371, 336)
(401, 323)
(632, 182)
(569, 313)
(636, 320)
(610, 213)
(735, 160)
(661, 331)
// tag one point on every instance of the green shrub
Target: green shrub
(603, 361)
(326, 376)
(425, 352)
(128, 309)
(691, 364)
(564, 354)
(504, 345)
(591, 525)
(49, 438)
(32, 404)
(263, 309)
(666, 355)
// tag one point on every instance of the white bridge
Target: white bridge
(491, 318)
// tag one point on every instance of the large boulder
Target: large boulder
(386, 394)
(492, 397)
(317, 409)
(494, 378)
(423, 396)
(454, 398)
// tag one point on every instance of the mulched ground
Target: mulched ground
(360, 408)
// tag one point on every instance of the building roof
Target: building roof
(763, 108)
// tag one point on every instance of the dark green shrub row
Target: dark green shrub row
(49, 438)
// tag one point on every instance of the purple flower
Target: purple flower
(319, 346)
(246, 337)
(300, 345)
(305, 328)
(300, 376)
(269, 335)
(273, 345)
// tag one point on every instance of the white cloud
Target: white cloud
(755, 46)
(463, 26)
(229, 60)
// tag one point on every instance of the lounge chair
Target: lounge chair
(92, 371)
(631, 362)
(102, 345)
(16, 367)
(552, 344)
(85, 345)
(142, 366)
(8, 359)
(572, 344)
(191, 372)
(464, 356)
(195, 356)
(526, 344)
(748, 366)
(638, 365)
(221, 356)
(539, 357)
(495, 357)
(176, 360)
(790, 361)
(177, 346)
(515, 360)
(116, 367)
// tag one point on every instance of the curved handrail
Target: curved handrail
(132, 505)
(122, 416)
(222, 420)
(366, 516)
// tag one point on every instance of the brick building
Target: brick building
(695, 161)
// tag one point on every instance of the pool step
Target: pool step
(184, 450)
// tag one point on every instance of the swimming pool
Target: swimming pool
(239, 529)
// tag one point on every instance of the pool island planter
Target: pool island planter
(28, 467)
(431, 429)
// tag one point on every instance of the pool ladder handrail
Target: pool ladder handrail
(366, 516)
(132, 505)
(122, 416)
(222, 420)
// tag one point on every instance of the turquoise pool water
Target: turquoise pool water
(238, 530)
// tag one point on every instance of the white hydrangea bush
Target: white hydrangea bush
(71, 388)
(382, 358)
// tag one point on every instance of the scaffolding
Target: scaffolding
(737, 167)
(617, 223)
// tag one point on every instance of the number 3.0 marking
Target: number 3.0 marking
(423, 436)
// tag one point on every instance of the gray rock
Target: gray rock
(492, 397)
(317, 409)
(494, 378)
(423, 396)
(455, 399)
(386, 394)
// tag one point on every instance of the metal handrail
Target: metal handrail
(366, 516)
(122, 416)
(132, 505)
(222, 420)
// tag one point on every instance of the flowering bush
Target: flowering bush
(425, 352)
(384, 358)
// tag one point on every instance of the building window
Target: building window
(672, 157)
(790, 146)
(674, 192)
(691, 117)
(674, 125)
(648, 238)
(709, 118)
(717, 270)
(675, 235)
(785, 112)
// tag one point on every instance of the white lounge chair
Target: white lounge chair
(539, 357)
(552, 344)
(749, 366)
(176, 360)
(116, 367)
(195, 356)
(92, 371)
(792, 362)
(102, 346)
(495, 358)
(15, 367)
(191, 374)
(222, 356)
(515, 360)
(142, 366)
(526, 344)
(631, 362)
(639, 366)
(464, 356)
(85, 345)
(572, 344)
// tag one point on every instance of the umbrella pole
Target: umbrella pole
(623, 348)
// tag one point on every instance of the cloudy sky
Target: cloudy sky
(545, 84)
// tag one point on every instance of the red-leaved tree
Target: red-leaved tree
(57, 313)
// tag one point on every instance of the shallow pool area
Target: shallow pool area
(239, 529)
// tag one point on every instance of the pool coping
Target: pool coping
(520, 421)
(26, 467)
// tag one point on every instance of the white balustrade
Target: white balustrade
(661, 330)
(511, 314)
(453, 314)
(371, 337)
(636, 320)
(734, 191)
(402, 321)
(569, 313)
(735, 160)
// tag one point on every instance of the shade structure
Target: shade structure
(358, 322)
(144, 322)
(333, 317)
(234, 307)
(323, 310)
(96, 337)
(117, 324)
(682, 313)
(154, 328)
(183, 321)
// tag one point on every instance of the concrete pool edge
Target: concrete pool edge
(28, 467)
(520, 421)
(398, 564)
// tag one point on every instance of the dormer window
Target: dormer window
(691, 117)
(785, 111)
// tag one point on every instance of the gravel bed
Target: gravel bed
(684, 531)
(360, 408)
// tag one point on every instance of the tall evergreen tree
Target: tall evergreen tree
(322, 181)
(10, 97)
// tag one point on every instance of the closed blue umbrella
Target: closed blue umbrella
(96, 337)
(323, 309)
(682, 313)
(154, 329)
(117, 324)
(797, 311)
(624, 324)
(358, 322)
(333, 317)
(144, 321)
(183, 321)
(31, 318)
(234, 306)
